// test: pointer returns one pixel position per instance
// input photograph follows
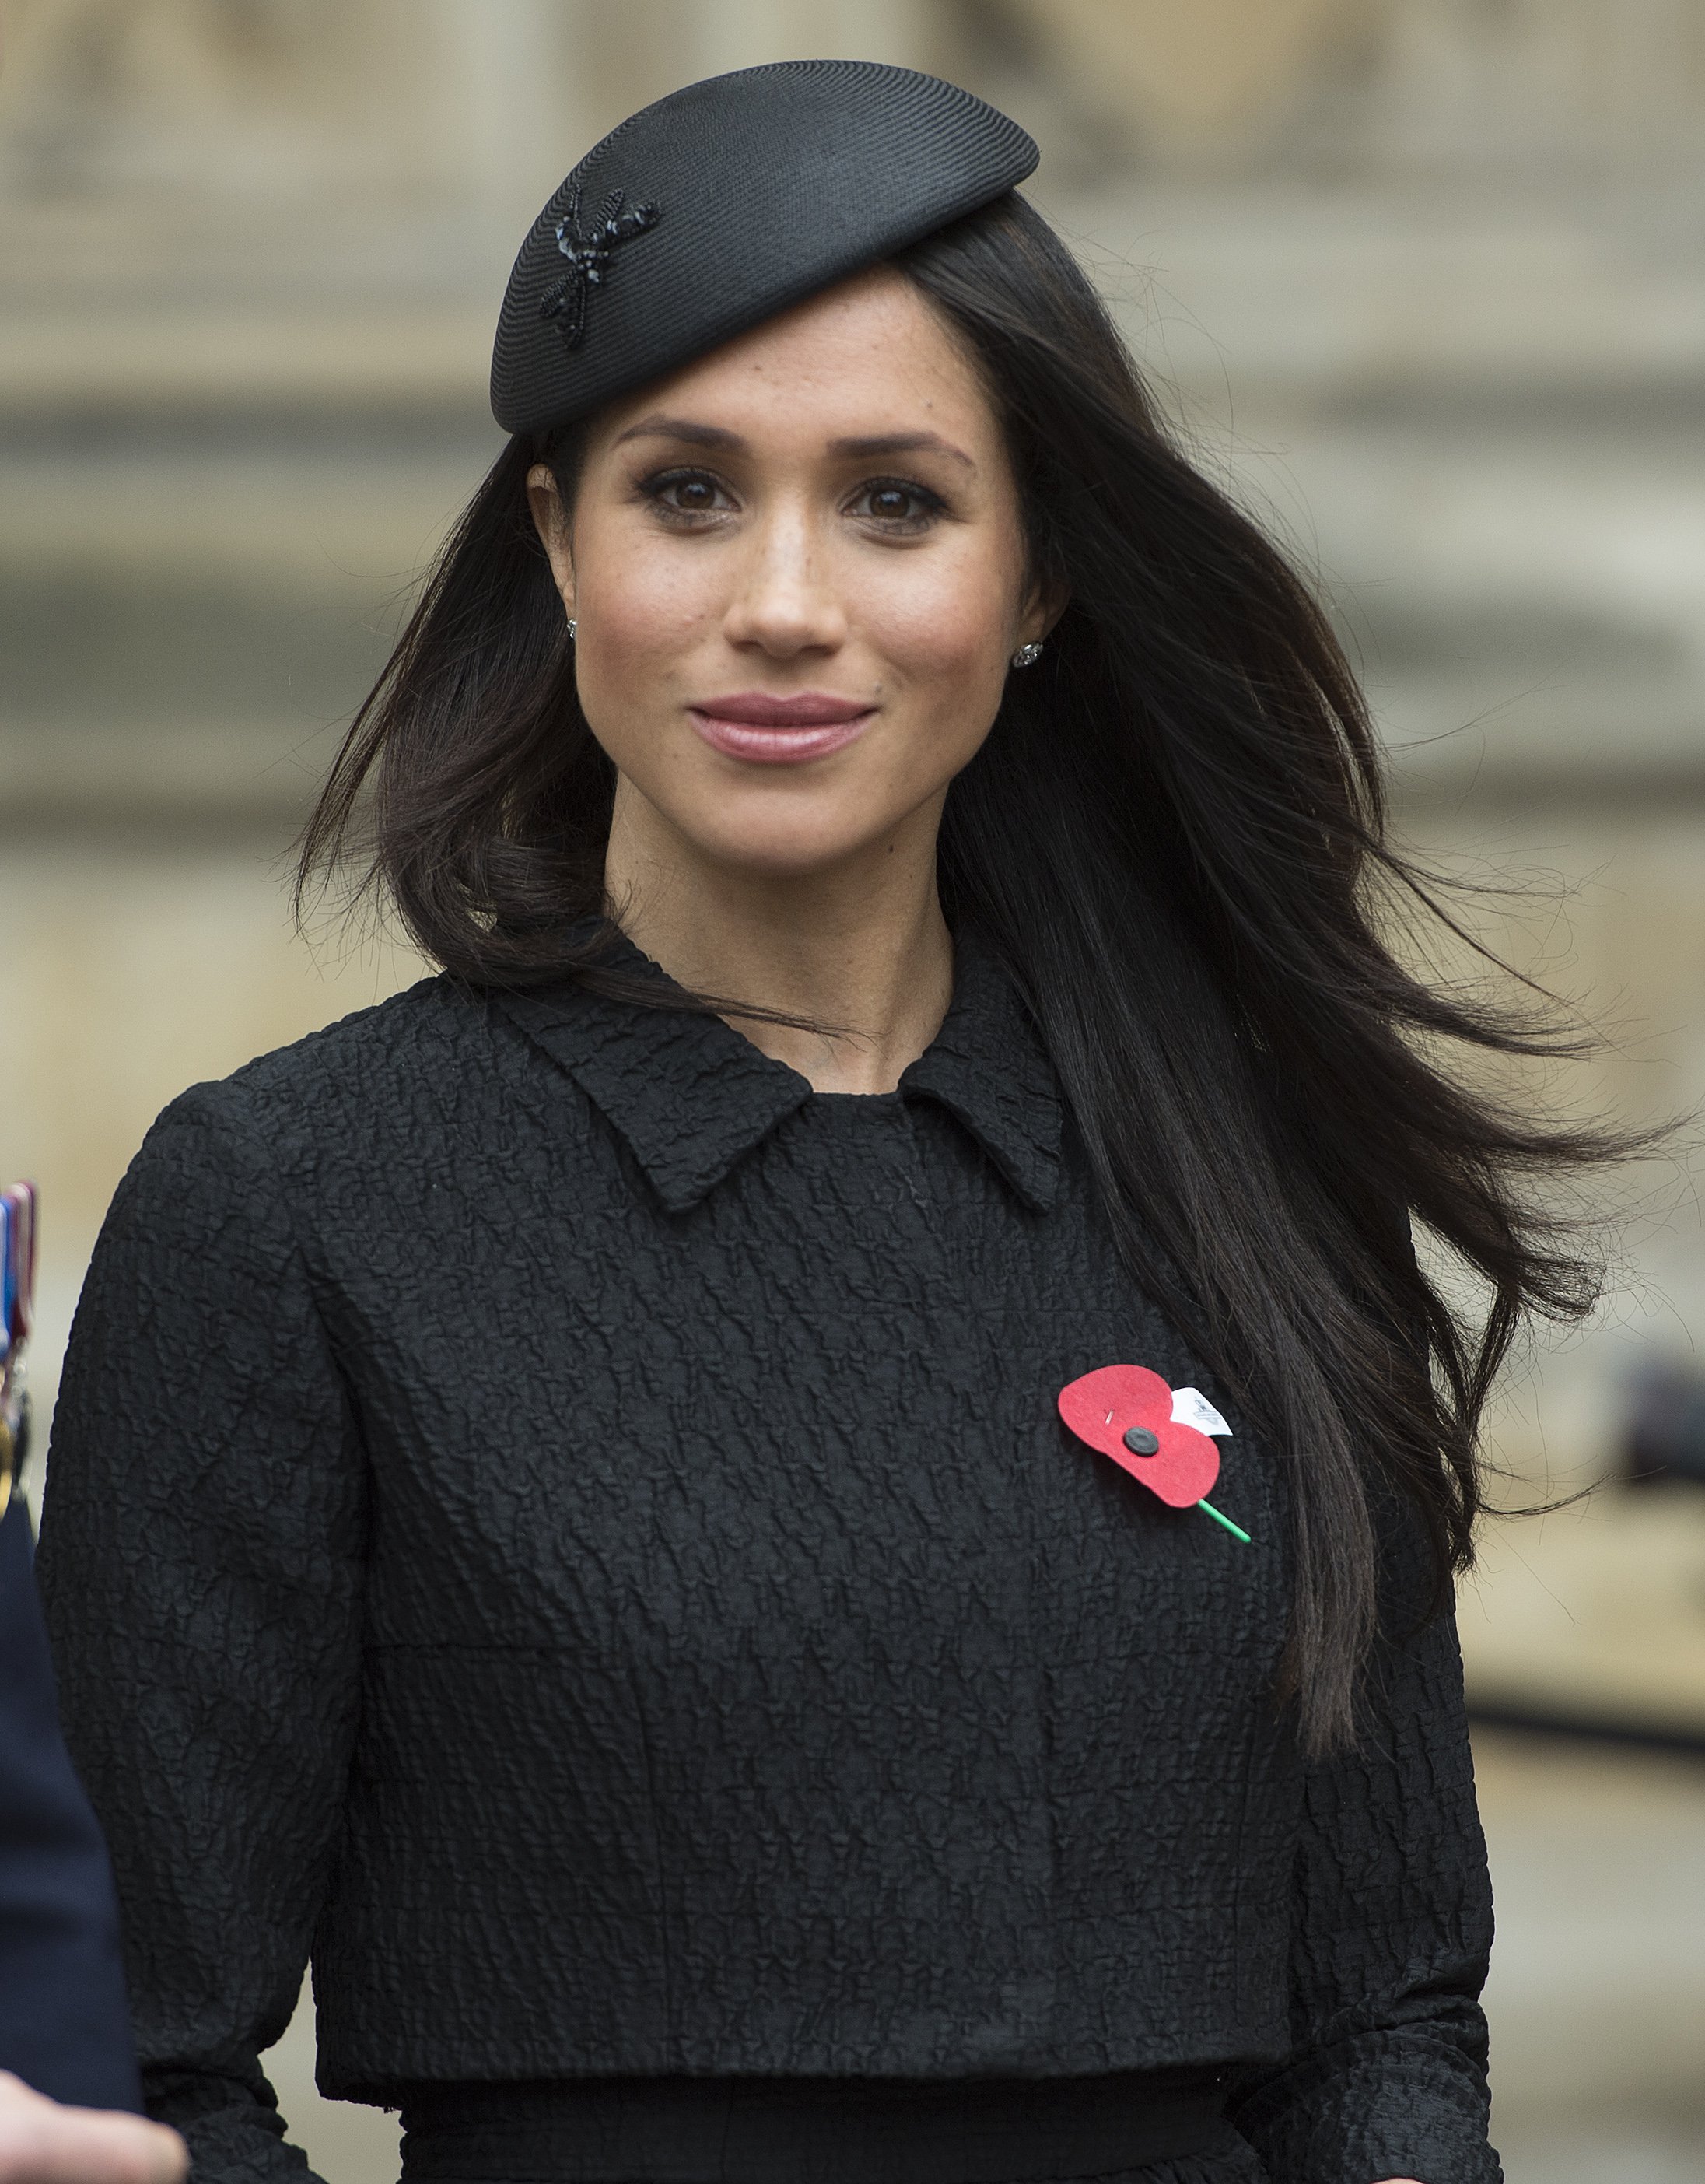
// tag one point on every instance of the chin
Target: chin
(777, 849)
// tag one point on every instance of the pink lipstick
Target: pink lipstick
(753, 724)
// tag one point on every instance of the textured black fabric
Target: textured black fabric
(756, 189)
(812, 2131)
(573, 1525)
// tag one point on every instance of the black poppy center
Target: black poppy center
(1140, 1441)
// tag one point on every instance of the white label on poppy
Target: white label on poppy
(1191, 1407)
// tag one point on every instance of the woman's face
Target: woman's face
(798, 575)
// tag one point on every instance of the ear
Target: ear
(1042, 609)
(550, 521)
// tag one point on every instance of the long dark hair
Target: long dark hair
(1174, 836)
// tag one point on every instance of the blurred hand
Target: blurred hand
(42, 2143)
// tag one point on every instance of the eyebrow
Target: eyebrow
(661, 427)
(901, 444)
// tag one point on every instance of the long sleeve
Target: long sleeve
(1391, 1935)
(200, 1567)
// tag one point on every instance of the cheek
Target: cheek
(639, 612)
(945, 629)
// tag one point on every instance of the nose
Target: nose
(784, 603)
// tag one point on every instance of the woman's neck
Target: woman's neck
(863, 947)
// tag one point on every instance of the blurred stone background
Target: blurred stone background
(1424, 279)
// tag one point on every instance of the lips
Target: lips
(757, 724)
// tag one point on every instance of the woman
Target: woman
(571, 1461)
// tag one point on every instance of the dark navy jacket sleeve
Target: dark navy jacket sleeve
(204, 1489)
(64, 2027)
(1391, 1937)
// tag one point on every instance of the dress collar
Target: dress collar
(691, 1096)
(988, 1066)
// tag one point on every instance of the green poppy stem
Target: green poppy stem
(1236, 1531)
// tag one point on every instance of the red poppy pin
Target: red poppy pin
(1159, 1435)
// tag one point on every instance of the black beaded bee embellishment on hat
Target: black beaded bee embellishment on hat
(589, 258)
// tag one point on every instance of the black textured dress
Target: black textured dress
(571, 1527)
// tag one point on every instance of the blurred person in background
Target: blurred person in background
(68, 2068)
(599, 1537)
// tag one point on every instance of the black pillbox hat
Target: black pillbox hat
(722, 205)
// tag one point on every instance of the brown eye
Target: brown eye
(686, 492)
(898, 504)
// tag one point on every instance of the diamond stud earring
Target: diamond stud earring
(573, 626)
(1027, 655)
